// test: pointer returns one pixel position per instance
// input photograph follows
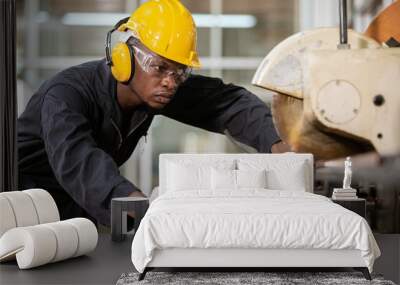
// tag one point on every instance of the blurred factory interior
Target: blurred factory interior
(233, 38)
(55, 34)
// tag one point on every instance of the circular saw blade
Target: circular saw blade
(308, 136)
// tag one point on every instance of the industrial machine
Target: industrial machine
(337, 99)
(337, 93)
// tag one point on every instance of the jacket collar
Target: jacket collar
(106, 88)
(106, 91)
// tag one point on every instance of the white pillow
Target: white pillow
(223, 179)
(288, 176)
(187, 177)
(230, 180)
(281, 175)
(251, 178)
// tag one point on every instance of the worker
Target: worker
(85, 122)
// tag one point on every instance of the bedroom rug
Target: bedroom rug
(244, 278)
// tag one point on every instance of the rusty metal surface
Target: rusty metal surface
(386, 24)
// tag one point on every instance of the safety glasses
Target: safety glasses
(156, 66)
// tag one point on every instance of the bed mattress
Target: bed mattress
(252, 219)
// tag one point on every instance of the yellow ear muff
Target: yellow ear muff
(122, 62)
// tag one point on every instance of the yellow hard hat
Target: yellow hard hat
(167, 28)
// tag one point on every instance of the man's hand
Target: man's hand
(280, 147)
(137, 194)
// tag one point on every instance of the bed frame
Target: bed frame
(246, 258)
(243, 259)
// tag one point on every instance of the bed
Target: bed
(247, 210)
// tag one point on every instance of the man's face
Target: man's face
(156, 79)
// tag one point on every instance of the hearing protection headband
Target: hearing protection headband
(108, 40)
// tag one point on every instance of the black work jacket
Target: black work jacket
(70, 140)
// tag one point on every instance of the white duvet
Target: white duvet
(252, 218)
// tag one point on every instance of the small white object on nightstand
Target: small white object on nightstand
(347, 174)
(345, 193)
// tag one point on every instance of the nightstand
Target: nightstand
(357, 205)
(119, 209)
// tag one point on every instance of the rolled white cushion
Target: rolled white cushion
(7, 218)
(23, 208)
(40, 244)
(45, 205)
(87, 235)
(26, 208)
(67, 240)
(33, 246)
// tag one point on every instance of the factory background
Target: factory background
(233, 38)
